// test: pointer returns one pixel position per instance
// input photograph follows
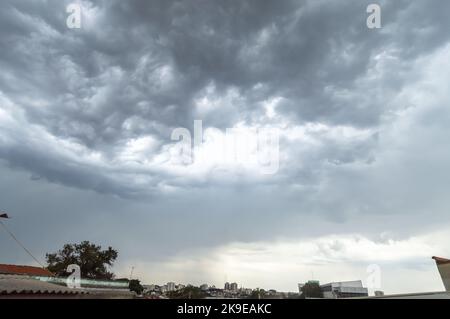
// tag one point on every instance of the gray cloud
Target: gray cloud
(137, 68)
(86, 117)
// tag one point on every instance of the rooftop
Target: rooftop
(441, 261)
(24, 270)
(11, 285)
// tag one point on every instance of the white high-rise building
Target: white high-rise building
(170, 286)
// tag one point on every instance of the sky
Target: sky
(360, 116)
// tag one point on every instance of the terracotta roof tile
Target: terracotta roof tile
(24, 270)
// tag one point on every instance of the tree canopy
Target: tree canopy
(135, 285)
(93, 261)
(311, 290)
(258, 294)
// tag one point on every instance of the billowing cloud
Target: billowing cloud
(87, 116)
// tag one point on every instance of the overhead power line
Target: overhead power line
(21, 245)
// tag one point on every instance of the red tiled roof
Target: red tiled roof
(441, 261)
(24, 270)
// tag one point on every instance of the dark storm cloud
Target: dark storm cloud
(138, 68)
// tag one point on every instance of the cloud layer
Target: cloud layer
(86, 117)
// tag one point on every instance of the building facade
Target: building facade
(171, 286)
(345, 289)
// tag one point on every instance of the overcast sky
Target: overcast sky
(86, 117)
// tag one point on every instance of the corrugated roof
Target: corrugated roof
(24, 270)
(20, 285)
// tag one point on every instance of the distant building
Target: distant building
(246, 291)
(180, 286)
(227, 286)
(346, 289)
(204, 287)
(234, 286)
(170, 287)
(151, 288)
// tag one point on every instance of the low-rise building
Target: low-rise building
(345, 289)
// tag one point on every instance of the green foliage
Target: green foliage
(93, 261)
(311, 290)
(135, 285)
(189, 292)
(258, 294)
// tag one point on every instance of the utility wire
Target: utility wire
(21, 245)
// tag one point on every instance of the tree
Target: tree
(258, 294)
(135, 285)
(93, 261)
(311, 290)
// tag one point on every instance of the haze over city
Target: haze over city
(362, 176)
